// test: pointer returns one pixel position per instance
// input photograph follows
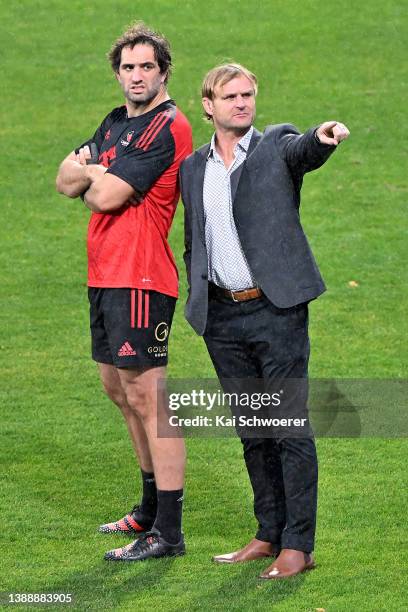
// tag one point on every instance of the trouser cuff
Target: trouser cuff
(296, 542)
(265, 535)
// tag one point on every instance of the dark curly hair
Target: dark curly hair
(139, 34)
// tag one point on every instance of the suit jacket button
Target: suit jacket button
(204, 276)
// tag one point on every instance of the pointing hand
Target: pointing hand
(332, 132)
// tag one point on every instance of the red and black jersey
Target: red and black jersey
(129, 247)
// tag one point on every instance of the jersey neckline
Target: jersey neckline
(153, 111)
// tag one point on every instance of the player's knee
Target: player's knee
(115, 394)
(138, 400)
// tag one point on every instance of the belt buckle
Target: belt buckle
(233, 296)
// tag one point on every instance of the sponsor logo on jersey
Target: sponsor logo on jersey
(128, 139)
(161, 332)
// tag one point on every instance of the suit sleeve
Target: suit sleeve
(302, 152)
(187, 227)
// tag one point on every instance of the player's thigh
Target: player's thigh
(145, 388)
(111, 382)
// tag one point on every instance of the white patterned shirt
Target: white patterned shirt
(227, 265)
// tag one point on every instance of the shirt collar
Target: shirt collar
(243, 143)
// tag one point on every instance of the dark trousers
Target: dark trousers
(256, 340)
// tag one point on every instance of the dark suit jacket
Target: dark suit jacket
(266, 199)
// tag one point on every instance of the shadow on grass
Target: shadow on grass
(107, 584)
(75, 560)
(332, 412)
(242, 589)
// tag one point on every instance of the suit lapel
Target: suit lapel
(199, 172)
(236, 175)
(198, 178)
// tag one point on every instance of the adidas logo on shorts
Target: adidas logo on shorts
(126, 350)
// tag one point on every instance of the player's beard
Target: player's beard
(143, 98)
(240, 128)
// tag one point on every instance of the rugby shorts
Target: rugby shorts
(130, 327)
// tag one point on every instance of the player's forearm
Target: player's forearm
(72, 179)
(92, 199)
(101, 200)
(107, 192)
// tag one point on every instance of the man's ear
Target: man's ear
(117, 75)
(208, 106)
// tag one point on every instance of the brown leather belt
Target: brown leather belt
(237, 296)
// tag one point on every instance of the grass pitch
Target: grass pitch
(67, 462)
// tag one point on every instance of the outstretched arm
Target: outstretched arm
(308, 151)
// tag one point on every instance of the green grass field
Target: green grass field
(67, 464)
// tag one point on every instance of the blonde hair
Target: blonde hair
(220, 75)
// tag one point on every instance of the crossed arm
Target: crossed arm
(102, 193)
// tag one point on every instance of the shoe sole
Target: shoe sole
(306, 569)
(231, 562)
(120, 532)
(178, 554)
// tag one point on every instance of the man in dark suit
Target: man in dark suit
(251, 275)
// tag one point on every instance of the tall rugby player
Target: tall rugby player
(127, 175)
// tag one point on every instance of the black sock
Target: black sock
(148, 506)
(169, 513)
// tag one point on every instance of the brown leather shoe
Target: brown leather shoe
(289, 563)
(256, 549)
